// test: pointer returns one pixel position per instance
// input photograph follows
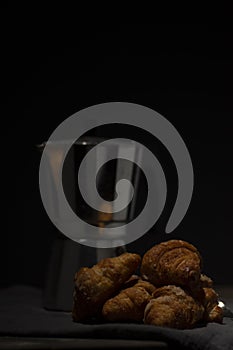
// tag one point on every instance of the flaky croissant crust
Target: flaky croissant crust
(129, 304)
(173, 262)
(173, 307)
(171, 291)
(93, 286)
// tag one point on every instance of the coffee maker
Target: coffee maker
(68, 256)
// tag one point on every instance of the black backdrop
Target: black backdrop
(183, 71)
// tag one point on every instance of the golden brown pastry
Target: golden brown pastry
(173, 262)
(129, 304)
(197, 291)
(213, 313)
(173, 307)
(93, 286)
(205, 281)
(207, 296)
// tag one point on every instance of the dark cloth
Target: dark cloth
(22, 314)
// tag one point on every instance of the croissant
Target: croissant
(205, 281)
(173, 307)
(93, 286)
(174, 262)
(129, 304)
(207, 296)
(213, 313)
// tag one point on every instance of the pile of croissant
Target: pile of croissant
(171, 291)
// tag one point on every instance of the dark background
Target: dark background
(182, 71)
